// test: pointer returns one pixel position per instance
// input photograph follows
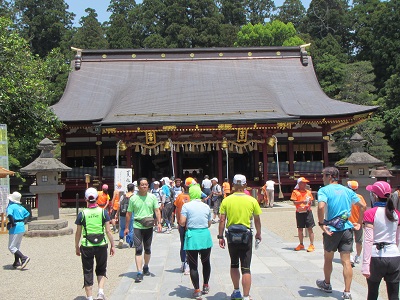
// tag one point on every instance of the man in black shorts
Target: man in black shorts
(337, 229)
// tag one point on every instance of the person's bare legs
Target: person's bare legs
(301, 235)
(311, 235)
(358, 248)
(139, 261)
(347, 270)
(89, 291)
(246, 282)
(235, 276)
(328, 259)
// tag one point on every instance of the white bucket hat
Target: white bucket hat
(15, 197)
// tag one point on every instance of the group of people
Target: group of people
(342, 216)
(194, 218)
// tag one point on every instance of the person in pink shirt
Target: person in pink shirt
(381, 257)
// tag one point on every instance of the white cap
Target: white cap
(156, 182)
(135, 183)
(91, 194)
(214, 178)
(165, 180)
(239, 179)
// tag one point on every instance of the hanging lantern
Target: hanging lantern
(240, 150)
(186, 148)
(224, 144)
(217, 147)
(271, 141)
(177, 148)
(137, 148)
(167, 145)
(202, 148)
(209, 147)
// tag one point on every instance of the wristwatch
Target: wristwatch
(220, 237)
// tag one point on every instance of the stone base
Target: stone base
(47, 228)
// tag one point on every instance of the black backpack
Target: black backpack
(123, 205)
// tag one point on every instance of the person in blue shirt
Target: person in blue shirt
(17, 214)
(335, 201)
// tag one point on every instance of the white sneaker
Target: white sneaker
(351, 259)
(100, 297)
(120, 243)
(357, 259)
(187, 269)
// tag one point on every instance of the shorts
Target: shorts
(305, 220)
(358, 235)
(341, 241)
(242, 253)
(385, 267)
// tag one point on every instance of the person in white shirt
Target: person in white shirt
(270, 186)
(206, 187)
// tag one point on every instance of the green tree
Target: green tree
(275, 33)
(91, 34)
(233, 11)
(326, 17)
(291, 11)
(259, 11)
(24, 96)
(44, 23)
(358, 84)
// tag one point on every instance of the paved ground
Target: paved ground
(278, 271)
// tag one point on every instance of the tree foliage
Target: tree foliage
(275, 33)
(24, 96)
(291, 11)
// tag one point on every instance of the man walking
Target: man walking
(143, 206)
(337, 200)
(94, 224)
(236, 211)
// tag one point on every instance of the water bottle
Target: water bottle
(257, 244)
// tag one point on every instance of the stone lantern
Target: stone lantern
(47, 169)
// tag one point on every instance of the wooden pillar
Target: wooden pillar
(128, 154)
(99, 157)
(220, 178)
(256, 158)
(175, 164)
(265, 161)
(325, 140)
(291, 156)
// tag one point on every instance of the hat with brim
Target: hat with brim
(300, 179)
(91, 194)
(380, 188)
(15, 197)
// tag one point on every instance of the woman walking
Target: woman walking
(196, 218)
(381, 257)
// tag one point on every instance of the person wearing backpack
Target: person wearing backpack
(123, 208)
(93, 224)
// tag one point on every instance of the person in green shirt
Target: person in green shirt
(143, 205)
(236, 211)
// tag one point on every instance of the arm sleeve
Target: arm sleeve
(367, 249)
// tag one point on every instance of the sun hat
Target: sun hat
(91, 194)
(239, 179)
(189, 181)
(300, 179)
(104, 187)
(214, 178)
(381, 188)
(352, 184)
(15, 197)
(156, 182)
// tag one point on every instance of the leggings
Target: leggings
(142, 238)
(392, 290)
(191, 256)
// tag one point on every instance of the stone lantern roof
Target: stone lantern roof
(45, 161)
(358, 155)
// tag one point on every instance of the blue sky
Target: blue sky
(78, 7)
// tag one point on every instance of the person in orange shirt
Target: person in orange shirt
(355, 214)
(226, 187)
(302, 199)
(181, 199)
(103, 197)
(264, 200)
(115, 206)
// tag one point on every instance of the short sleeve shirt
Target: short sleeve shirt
(339, 200)
(142, 207)
(298, 195)
(197, 214)
(19, 213)
(239, 208)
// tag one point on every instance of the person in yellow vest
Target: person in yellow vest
(302, 199)
(355, 214)
(115, 206)
(93, 224)
(103, 198)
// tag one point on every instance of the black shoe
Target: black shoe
(139, 277)
(146, 271)
(16, 264)
(24, 261)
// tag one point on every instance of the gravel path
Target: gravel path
(55, 271)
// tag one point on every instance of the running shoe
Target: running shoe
(187, 269)
(311, 248)
(357, 259)
(206, 288)
(139, 277)
(323, 286)
(146, 271)
(24, 261)
(346, 295)
(197, 294)
(299, 247)
(236, 295)
(120, 243)
(100, 297)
